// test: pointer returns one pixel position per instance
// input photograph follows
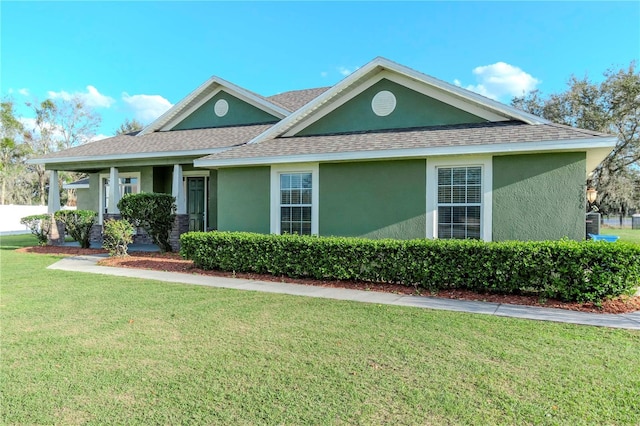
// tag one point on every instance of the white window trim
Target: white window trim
(101, 178)
(486, 210)
(276, 171)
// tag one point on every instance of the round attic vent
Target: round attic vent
(383, 103)
(221, 108)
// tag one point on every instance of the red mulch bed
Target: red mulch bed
(172, 262)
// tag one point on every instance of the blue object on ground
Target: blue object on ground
(607, 238)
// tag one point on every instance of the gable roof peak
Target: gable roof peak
(205, 91)
(379, 64)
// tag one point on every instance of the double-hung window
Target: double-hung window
(459, 202)
(295, 203)
(459, 197)
(294, 199)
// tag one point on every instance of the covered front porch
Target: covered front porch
(195, 192)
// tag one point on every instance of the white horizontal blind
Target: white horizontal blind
(459, 202)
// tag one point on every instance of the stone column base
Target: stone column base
(180, 226)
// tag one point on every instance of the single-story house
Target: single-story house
(388, 152)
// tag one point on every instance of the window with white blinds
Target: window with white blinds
(295, 203)
(459, 202)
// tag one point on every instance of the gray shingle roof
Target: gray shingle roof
(294, 99)
(426, 137)
(163, 142)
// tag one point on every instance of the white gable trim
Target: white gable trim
(380, 64)
(183, 115)
(402, 80)
(177, 111)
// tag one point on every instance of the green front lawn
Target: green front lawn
(80, 348)
(626, 234)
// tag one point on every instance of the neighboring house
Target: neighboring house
(388, 152)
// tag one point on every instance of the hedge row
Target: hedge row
(565, 270)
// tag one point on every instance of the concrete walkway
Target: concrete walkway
(89, 264)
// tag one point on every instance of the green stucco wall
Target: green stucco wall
(239, 113)
(243, 199)
(90, 198)
(383, 199)
(539, 196)
(146, 178)
(83, 198)
(413, 109)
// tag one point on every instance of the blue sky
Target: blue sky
(135, 59)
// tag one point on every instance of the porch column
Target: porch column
(54, 192)
(114, 191)
(177, 190)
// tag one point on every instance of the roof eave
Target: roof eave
(595, 146)
(134, 156)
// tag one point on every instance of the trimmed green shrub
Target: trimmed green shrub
(78, 224)
(152, 211)
(565, 270)
(116, 236)
(40, 226)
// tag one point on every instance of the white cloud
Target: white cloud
(146, 108)
(30, 125)
(501, 80)
(346, 71)
(92, 97)
(23, 92)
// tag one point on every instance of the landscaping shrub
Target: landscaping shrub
(565, 270)
(78, 224)
(116, 236)
(154, 212)
(40, 226)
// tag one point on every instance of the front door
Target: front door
(195, 203)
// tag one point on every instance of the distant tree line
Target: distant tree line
(53, 125)
(611, 106)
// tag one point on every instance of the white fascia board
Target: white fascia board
(136, 156)
(232, 90)
(503, 148)
(176, 112)
(173, 121)
(402, 80)
(161, 121)
(464, 93)
(256, 101)
(302, 112)
(379, 64)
